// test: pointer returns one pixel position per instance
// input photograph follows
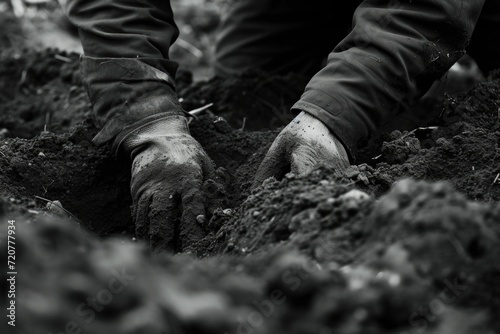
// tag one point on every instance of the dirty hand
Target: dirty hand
(168, 173)
(302, 144)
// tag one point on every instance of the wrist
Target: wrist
(125, 92)
(150, 130)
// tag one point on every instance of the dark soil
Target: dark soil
(369, 252)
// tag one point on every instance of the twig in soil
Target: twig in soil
(195, 112)
(198, 111)
(23, 78)
(59, 206)
(496, 179)
(47, 189)
(47, 121)
(62, 58)
(244, 124)
(189, 47)
(3, 154)
(420, 128)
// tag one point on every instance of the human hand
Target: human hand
(302, 144)
(169, 170)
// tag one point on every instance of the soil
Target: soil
(404, 242)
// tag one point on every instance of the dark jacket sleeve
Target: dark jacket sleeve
(125, 67)
(394, 53)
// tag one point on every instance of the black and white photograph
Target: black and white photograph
(250, 166)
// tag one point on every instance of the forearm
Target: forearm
(394, 53)
(142, 29)
(126, 68)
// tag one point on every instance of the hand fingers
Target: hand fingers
(163, 217)
(208, 169)
(193, 214)
(274, 164)
(141, 216)
(303, 160)
(214, 186)
(215, 195)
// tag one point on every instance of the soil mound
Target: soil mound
(426, 261)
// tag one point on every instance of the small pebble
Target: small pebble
(4, 133)
(355, 194)
(221, 125)
(330, 200)
(352, 172)
(394, 280)
(362, 177)
(41, 154)
(56, 208)
(200, 219)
